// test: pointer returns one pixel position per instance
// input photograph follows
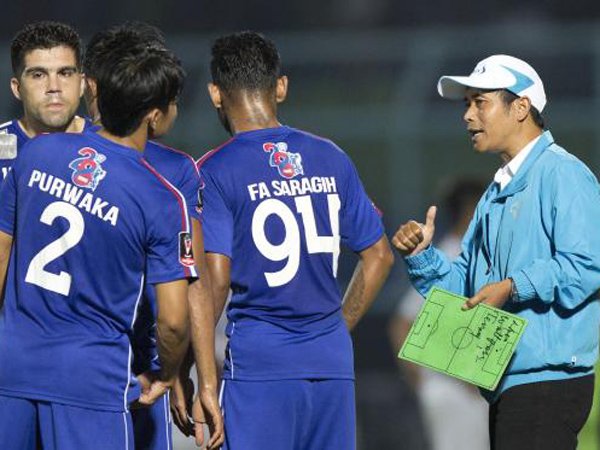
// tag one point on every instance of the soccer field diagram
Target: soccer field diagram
(474, 345)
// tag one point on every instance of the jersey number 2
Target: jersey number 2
(36, 273)
(290, 247)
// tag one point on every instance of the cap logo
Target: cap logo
(522, 81)
(478, 70)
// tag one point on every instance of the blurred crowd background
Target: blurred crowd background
(364, 73)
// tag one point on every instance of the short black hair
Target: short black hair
(43, 35)
(508, 97)
(135, 81)
(127, 34)
(245, 61)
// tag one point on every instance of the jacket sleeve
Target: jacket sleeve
(571, 216)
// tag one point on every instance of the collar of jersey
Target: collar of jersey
(113, 146)
(279, 131)
(20, 131)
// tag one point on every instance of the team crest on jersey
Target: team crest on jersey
(87, 170)
(288, 164)
(186, 255)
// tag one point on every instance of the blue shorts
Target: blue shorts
(152, 426)
(289, 415)
(30, 424)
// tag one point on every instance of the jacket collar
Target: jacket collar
(519, 182)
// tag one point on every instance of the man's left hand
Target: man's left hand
(181, 399)
(206, 410)
(493, 294)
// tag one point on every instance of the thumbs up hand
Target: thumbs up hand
(413, 237)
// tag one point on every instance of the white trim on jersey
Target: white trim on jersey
(188, 223)
(137, 302)
(221, 394)
(126, 431)
(130, 358)
(187, 217)
(183, 205)
(192, 160)
(166, 402)
(229, 349)
(6, 124)
(129, 362)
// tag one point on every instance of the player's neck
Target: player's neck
(137, 140)
(251, 124)
(249, 113)
(519, 141)
(33, 128)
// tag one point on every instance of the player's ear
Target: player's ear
(153, 119)
(215, 95)
(91, 88)
(281, 89)
(14, 87)
(82, 85)
(522, 107)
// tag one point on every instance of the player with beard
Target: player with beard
(47, 79)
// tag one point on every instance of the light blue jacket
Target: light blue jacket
(543, 231)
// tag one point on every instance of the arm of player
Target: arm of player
(5, 246)
(172, 326)
(216, 273)
(370, 274)
(202, 318)
(200, 307)
(219, 268)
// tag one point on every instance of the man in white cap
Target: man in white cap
(532, 248)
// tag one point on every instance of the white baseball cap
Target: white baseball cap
(497, 72)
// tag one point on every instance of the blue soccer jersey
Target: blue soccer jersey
(93, 222)
(181, 171)
(14, 128)
(278, 202)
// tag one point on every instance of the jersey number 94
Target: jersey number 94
(289, 249)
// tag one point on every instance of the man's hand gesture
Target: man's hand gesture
(413, 237)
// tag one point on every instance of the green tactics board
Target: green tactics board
(474, 345)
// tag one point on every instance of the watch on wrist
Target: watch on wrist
(514, 294)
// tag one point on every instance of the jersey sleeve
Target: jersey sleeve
(169, 246)
(217, 218)
(190, 188)
(360, 222)
(8, 201)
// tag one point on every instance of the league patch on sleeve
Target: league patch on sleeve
(186, 255)
(8, 146)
